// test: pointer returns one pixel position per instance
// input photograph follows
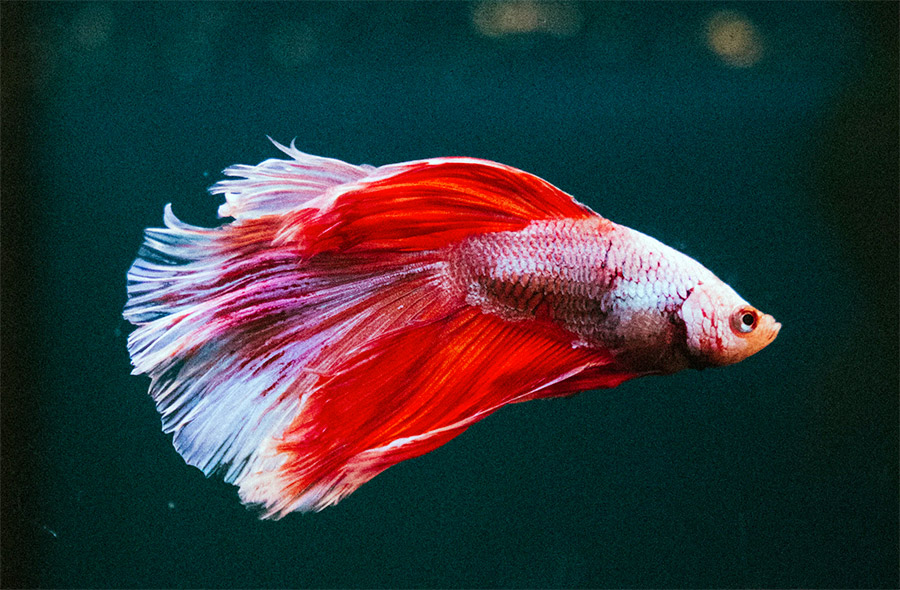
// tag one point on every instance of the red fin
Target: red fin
(234, 332)
(314, 342)
(429, 204)
(411, 392)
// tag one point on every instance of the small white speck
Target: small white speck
(171, 505)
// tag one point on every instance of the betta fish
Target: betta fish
(351, 317)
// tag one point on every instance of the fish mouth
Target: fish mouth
(772, 327)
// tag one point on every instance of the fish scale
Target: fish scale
(578, 271)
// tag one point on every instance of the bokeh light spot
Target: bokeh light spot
(734, 39)
(498, 19)
(92, 26)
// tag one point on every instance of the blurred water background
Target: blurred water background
(760, 138)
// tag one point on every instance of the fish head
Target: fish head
(722, 328)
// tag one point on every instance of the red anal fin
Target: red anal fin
(411, 392)
(594, 377)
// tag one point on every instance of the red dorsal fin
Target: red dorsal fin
(427, 205)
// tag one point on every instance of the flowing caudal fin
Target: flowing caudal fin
(315, 340)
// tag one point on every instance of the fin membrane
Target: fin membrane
(314, 341)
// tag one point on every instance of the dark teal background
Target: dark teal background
(781, 177)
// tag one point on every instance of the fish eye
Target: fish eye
(744, 320)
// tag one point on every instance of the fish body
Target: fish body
(610, 287)
(352, 317)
